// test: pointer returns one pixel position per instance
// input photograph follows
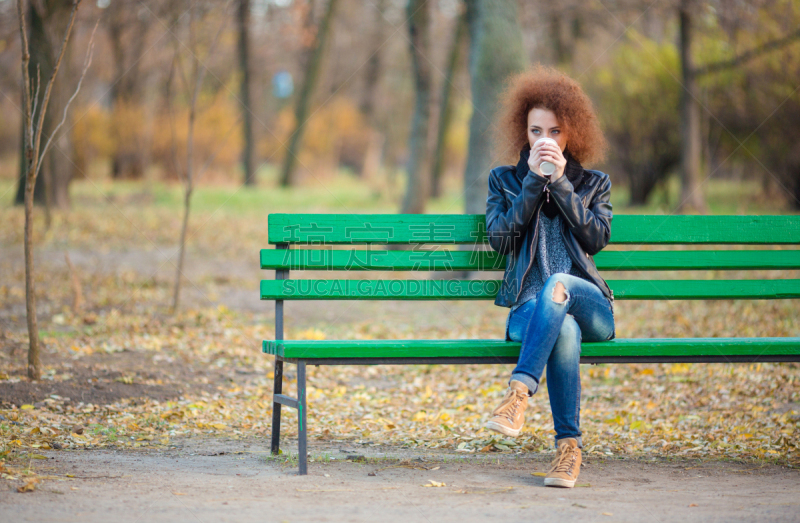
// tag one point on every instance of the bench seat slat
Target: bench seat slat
(493, 348)
(453, 260)
(452, 289)
(470, 228)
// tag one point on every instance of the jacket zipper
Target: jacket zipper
(533, 244)
(564, 239)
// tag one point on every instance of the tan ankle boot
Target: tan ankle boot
(566, 466)
(509, 417)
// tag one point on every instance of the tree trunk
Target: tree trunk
(38, 192)
(692, 199)
(31, 87)
(248, 154)
(495, 53)
(128, 157)
(304, 100)
(51, 18)
(795, 202)
(373, 156)
(372, 69)
(445, 108)
(418, 166)
(34, 360)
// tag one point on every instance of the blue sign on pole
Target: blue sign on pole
(282, 84)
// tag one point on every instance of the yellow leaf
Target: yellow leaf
(540, 474)
(38, 456)
(432, 483)
(29, 485)
(27, 407)
(311, 334)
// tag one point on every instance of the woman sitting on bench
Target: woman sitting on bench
(549, 216)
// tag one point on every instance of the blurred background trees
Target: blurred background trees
(402, 99)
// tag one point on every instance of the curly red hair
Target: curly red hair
(546, 88)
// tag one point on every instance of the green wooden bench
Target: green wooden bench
(369, 234)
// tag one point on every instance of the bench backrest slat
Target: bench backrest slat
(376, 259)
(452, 289)
(310, 229)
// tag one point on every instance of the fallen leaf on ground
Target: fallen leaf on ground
(29, 485)
(432, 483)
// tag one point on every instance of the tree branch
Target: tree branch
(747, 55)
(86, 63)
(26, 58)
(38, 139)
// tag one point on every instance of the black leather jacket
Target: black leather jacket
(512, 222)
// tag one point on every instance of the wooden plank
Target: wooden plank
(450, 289)
(704, 289)
(313, 229)
(373, 259)
(493, 348)
(697, 260)
(453, 289)
(317, 229)
(381, 260)
(655, 229)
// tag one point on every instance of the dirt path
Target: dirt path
(216, 480)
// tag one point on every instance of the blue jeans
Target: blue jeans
(551, 334)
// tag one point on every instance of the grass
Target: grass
(345, 193)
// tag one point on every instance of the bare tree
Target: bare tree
(304, 100)
(691, 141)
(418, 166)
(46, 24)
(446, 105)
(495, 53)
(34, 110)
(692, 199)
(127, 27)
(248, 154)
(195, 82)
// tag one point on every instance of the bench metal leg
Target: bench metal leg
(301, 418)
(276, 407)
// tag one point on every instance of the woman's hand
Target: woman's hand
(546, 151)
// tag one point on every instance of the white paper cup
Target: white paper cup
(546, 168)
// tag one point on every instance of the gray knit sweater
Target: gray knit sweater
(551, 257)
